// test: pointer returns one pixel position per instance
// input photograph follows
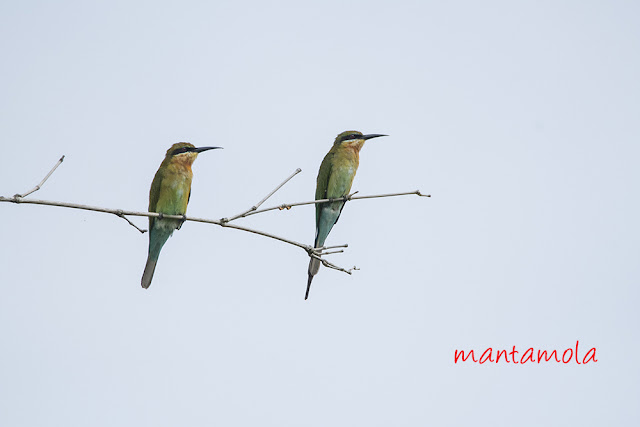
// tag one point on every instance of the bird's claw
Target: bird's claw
(182, 221)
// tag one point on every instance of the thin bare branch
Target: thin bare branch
(315, 253)
(312, 252)
(332, 252)
(333, 266)
(257, 205)
(338, 199)
(121, 215)
(224, 222)
(324, 248)
(117, 212)
(39, 186)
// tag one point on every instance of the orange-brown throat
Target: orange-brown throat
(184, 160)
(355, 145)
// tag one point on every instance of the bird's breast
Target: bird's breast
(174, 193)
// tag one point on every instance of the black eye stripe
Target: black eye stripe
(180, 150)
(352, 136)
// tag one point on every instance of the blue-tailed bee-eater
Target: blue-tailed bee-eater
(169, 195)
(334, 181)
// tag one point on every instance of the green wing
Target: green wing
(339, 185)
(323, 182)
(154, 194)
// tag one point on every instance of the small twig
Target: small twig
(39, 186)
(331, 252)
(121, 215)
(333, 266)
(337, 199)
(324, 248)
(296, 172)
(257, 205)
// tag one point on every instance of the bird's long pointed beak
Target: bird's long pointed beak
(201, 149)
(372, 135)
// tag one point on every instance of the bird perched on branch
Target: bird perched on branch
(334, 181)
(169, 195)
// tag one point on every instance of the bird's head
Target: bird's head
(354, 139)
(184, 152)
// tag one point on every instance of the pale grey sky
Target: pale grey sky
(520, 118)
